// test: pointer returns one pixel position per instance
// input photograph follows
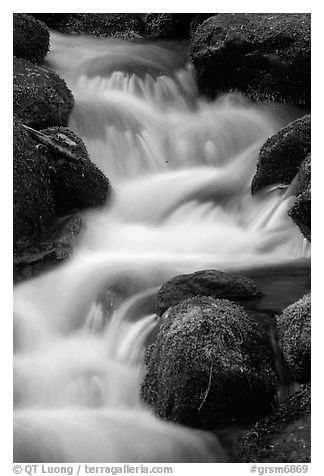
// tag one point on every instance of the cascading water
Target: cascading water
(181, 169)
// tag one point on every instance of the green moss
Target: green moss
(30, 38)
(33, 199)
(266, 56)
(77, 185)
(283, 437)
(40, 97)
(281, 155)
(294, 331)
(210, 363)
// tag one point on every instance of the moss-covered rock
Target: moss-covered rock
(168, 25)
(294, 331)
(210, 363)
(77, 184)
(119, 25)
(40, 97)
(30, 38)
(197, 20)
(300, 212)
(264, 55)
(284, 437)
(209, 282)
(33, 198)
(55, 246)
(281, 155)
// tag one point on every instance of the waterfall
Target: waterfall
(181, 168)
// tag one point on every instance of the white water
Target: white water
(181, 169)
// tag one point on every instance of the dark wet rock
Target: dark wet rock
(56, 245)
(300, 212)
(30, 38)
(210, 363)
(33, 198)
(40, 97)
(209, 282)
(294, 332)
(282, 154)
(197, 20)
(168, 25)
(78, 184)
(284, 437)
(264, 55)
(119, 25)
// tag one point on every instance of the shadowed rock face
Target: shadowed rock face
(30, 38)
(168, 25)
(209, 282)
(294, 332)
(281, 155)
(266, 56)
(33, 197)
(40, 97)
(301, 209)
(283, 437)
(210, 363)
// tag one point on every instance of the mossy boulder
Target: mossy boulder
(209, 282)
(300, 212)
(78, 184)
(119, 25)
(264, 55)
(210, 363)
(284, 437)
(294, 331)
(40, 97)
(168, 25)
(33, 197)
(30, 38)
(282, 154)
(197, 20)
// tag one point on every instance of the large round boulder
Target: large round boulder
(168, 25)
(40, 97)
(284, 437)
(119, 25)
(209, 282)
(30, 38)
(33, 198)
(210, 363)
(282, 154)
(300, 212)
(294, 332)
(78, 184)
(265, 55)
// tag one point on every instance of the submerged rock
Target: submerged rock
(209, 282)
(56, 245)
(281, 155)
(119, 25)
(301, 209)
(30, 38)
(284, 437)
(265, 55)
(33, 197)
(210, 363)
(78, 184)
(40, 97)
(168, 25)
(294, 332)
